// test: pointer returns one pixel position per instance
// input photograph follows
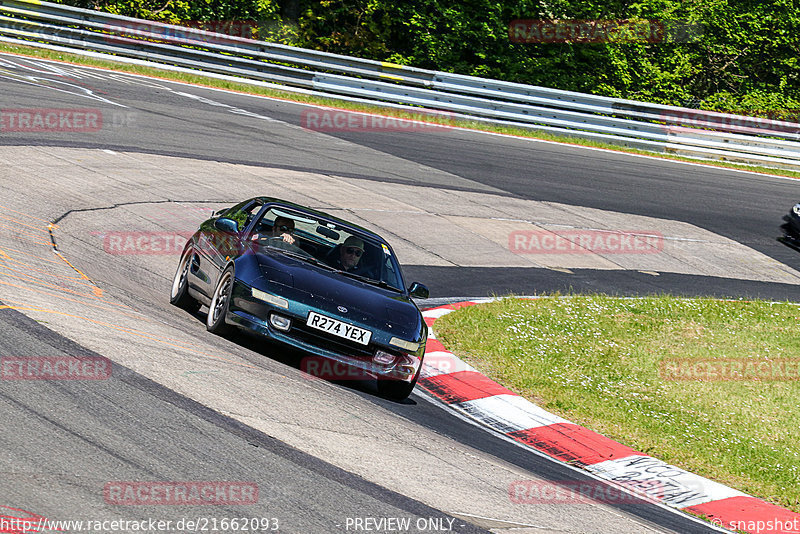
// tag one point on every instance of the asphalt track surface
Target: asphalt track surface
(113, 431)
(742, 206)
(129, 428)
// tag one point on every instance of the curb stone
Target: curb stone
(463, 388)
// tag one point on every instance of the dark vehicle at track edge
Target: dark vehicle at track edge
(273, 268)
(791, 228)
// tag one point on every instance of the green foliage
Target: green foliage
(738, 55)
(745, 57)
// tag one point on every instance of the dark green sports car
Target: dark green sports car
(310, 280)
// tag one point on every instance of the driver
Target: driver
(283, 228)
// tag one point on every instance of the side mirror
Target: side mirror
(228, 226)
(418, 291)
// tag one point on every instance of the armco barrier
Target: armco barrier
(736, 138)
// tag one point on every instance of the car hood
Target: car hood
(327, 290)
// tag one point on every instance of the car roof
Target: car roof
(311, 211)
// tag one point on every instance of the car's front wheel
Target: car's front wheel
(179, 295)
(220, 302)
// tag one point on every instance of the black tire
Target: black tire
(179, 295)
(396, 390)
(220, 302)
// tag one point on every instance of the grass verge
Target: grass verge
(244, 87)
(597, 361)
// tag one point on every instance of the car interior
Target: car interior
(374, 263)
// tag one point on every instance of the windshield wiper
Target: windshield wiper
(303, 257)
(371, 281)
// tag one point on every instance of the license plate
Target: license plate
(338, 328)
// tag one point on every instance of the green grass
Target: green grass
(244, 87)
(595, 360)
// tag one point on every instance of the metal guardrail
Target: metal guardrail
(653, 127)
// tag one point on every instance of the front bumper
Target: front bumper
(404, 368)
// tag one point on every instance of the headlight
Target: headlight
(271, 299)
(403, 344)
(796, 209)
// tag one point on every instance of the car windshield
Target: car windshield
(329, 245)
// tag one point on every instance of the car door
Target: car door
(216, 247)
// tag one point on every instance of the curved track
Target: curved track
(184, 405)
(143, 115)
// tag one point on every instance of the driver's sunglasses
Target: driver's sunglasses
(353, 250)
(286, 229)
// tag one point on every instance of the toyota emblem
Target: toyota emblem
(342, 309)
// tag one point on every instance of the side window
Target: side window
(266, 223)
(389, 274)
(243, 215)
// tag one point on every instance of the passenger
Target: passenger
(350, 254)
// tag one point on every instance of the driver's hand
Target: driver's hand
(289, 238)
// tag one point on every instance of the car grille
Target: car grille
(319, 339)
